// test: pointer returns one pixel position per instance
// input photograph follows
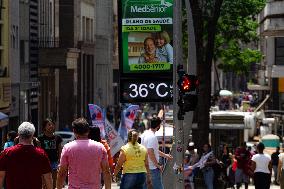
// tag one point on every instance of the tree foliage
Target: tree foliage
(237, 28)
(224, 29)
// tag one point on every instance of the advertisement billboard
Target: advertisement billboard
(146, 33)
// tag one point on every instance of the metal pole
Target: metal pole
(179, 150)
(191, 69)
(164, 142)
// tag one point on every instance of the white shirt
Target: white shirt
(149, 140)
(281, 158)
(262, 162)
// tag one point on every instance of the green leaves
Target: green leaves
(233, 58)
(237, 28)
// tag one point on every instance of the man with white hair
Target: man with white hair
(24, 165)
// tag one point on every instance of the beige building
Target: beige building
(271, 72)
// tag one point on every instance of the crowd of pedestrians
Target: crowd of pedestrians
(28, 162)
(240, 166)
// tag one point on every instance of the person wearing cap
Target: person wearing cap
(84, 160)
(24, 165)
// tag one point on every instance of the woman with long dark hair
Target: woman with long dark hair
(133, 157)
(95, 134)
(261, 164)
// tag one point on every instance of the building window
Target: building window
(92, 30)
(14, 37)
(83, 28)
(88, 29)
(279, 51)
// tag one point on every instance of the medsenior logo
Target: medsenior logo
(157, 7)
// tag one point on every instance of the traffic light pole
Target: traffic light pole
(191, 70)
(178, 60)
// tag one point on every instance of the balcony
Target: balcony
(48, 43)
(58, 57)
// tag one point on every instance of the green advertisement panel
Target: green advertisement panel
(146, 36)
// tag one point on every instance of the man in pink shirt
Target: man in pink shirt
(84, 160)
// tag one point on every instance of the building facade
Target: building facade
(14, 63)
(29, 58)
(5, 80)
(271, 73)
(75, 60)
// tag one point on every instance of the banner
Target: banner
(97, 117)
(114, 140)
(127, 119)
(147, 32)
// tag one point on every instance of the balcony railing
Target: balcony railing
(48, 43)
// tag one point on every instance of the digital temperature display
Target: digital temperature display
(151, 90)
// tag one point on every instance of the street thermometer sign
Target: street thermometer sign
(146, 50)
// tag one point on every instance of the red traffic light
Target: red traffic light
(188, 83)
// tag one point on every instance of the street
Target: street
(114, 186)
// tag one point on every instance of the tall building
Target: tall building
(104, 52)
(5, 80)
(75, 57)
(271, 73)
(14, 63)
(29, 58)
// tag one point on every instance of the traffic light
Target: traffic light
(187, 83)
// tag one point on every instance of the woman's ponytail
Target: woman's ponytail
(133, 136)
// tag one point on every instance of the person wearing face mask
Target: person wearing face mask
(150, 54)
(51, 144)
(150, 141)
(162, 40)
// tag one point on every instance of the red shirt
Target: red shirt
(24, 165)
(243, 158)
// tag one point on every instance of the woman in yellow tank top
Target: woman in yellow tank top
(133, 158)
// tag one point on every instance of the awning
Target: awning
(226, 126)
(277, 71)
(258, 87)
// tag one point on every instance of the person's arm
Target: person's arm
(279, 170)
(106, 173)
(2, 177)
(253, 165)
(211, 161)
(61, 175)
(120, 162)
(48, 180)
(167, 156)
(270, 166)
(6, 145)
(152, 157)
(60, 147)
(149, 181)
(170, 53)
